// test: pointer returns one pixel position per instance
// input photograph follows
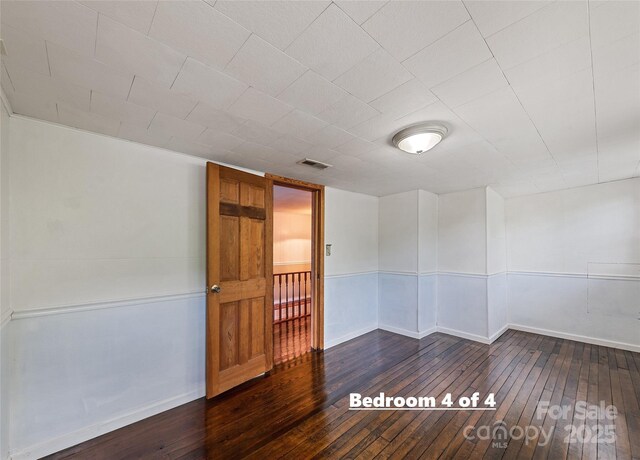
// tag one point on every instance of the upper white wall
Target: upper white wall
(576, 230)
(428, 231)
(95, 218)
(351, 227)
(4, 213)
(398, 226)
(5, 309)
(496, 233)
(462, 232)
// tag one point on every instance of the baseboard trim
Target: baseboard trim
(54, 445)
(427, 332)
(497, 335)
(576, 337)
(464, 335)
(399, 330)
(412, 334)
(445, 330)
(351, 335)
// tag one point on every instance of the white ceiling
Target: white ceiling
(537, 95)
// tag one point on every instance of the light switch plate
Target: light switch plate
(328, 249)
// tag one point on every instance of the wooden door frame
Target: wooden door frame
(317, 253)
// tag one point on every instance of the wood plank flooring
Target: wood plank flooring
(291, 339)
(301, 409)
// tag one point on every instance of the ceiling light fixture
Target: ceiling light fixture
(419, 138)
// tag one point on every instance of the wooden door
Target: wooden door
(239, 277)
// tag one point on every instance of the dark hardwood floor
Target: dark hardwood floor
(291, 339)
(301, 409)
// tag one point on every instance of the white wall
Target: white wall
(112, 234)
(5, 309)
(567, 230)
(462, 263)
(574, 261)
(571, 266)
(351, 227)
(108, 241)
(462, 305)
(462, 232)
(4, 212)
(398, 227)
(408, 262)
(496, 233)
(81, 373)
(427, 260)
(428, 231)
(351, 272)
(94, 219)
(398, 249)
(497, 317)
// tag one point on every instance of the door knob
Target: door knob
(215, 288)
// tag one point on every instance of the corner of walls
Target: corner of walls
(398, 263)
(476, 292)
(496, 259)
(6, 372)
(427, 262)
(6, 354)
(462, 274)
(574, 263)
(5, 102)
(447, 287)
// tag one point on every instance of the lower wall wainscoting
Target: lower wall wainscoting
(82, 373)
(127, 360)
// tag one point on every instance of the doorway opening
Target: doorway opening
(292, 272)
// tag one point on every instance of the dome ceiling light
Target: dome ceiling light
(419, 138)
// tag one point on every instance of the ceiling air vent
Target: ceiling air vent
(314, 163)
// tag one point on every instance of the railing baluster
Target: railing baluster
(289, 286)
(280, 297)
(299, 296)
(292, 288)
(292, 292)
